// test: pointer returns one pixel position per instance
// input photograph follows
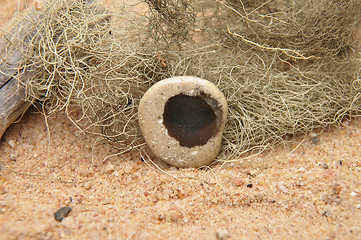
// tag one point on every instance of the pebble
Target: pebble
(39, 6)
(163, 178)
(282, 188)
(11, 143)
(302, 169)
(222, 234)
(182, 120)
(314, 138)
(110, 168)
(324, 165)
(353, 194)
(61, 213)
(253, 173)
(12, 157)
(337, 163)
(326, 214)
(259, 197)
(172, 215)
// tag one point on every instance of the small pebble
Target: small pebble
(259, 197)
(353, 194)
(222, 234)
(302, 169)
(324, 165)
(282, 188)
(115, 173)
(250, 185)
(172, 215)
(314, 138)
(61, 213)
(337, 163)
(326, 214)
(39, 6)
(110, 168)
(253, 173)
(163, 178)
(11, 143)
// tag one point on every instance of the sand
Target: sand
(308, 189)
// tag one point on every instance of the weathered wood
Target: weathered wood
(12, 93)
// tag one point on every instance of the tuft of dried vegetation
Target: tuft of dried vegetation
(285, 67)
(72, 56)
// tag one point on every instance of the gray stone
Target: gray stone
(182, 120)
(61, 213)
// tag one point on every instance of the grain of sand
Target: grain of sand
(312, 191)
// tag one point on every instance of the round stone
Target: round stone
(182, 120)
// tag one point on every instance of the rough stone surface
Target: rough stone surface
(182, 120)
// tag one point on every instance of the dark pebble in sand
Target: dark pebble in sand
(61, 213)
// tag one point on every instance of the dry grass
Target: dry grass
(285, 69)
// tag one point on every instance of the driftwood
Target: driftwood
(12, 93)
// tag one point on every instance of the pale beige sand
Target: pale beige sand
(313, 192)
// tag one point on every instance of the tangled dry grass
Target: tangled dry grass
(284, 67)
(73, 57)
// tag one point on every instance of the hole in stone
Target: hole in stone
(191, 119)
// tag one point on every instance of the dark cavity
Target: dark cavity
(190, 120)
